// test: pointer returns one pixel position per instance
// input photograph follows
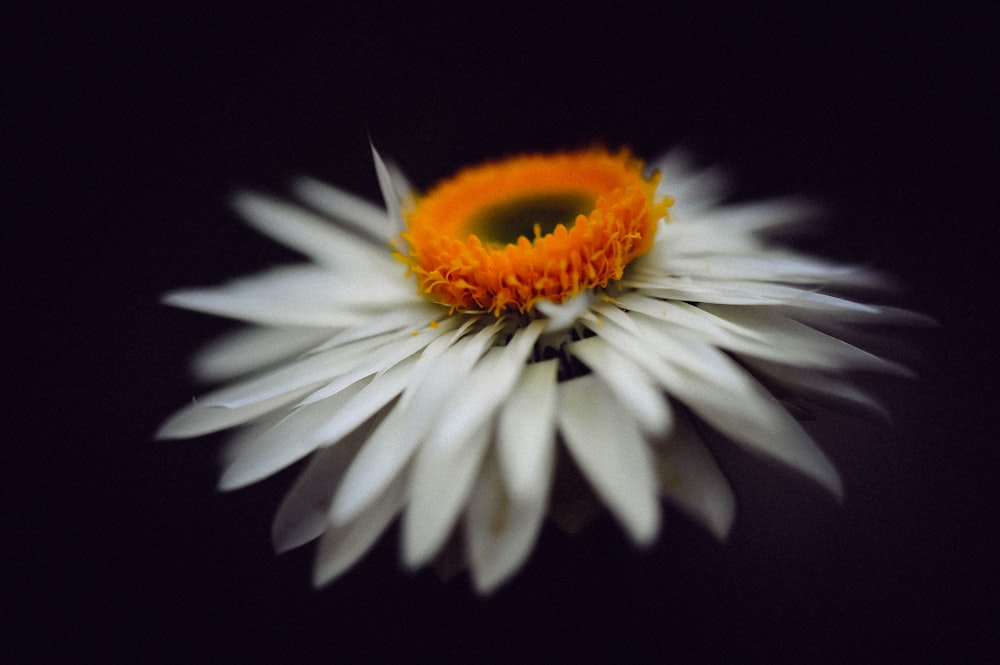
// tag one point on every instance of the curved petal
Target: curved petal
(248, 349)
(628, 382)
(301, 296)
(345, 207)
(407, 424)
(442, 480)
(526, 432)
(342, 545)
(723, 395)
(302, 515)
(611, 452)
(690, 478)
(500, 529)
(262, 453)
(199, 418)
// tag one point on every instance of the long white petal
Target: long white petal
(201, 418)
(298, 296)
(611, 452)
(628, 382)
(826, 389)
(795, 343)
(248, 349)
(391, 193)
(690, 478)
(442, 480)
(306, 373)
(397, 437)
(756, 216)
(302, 516)
(376, 364)
(724, 395)
(365, 404)
(775, 266)
(500, 529)
(451, 444)
(489, 384)
(263, 453)
(345, 207)
(760, 333)
(310, 234)
(342, 545)
(724, 292)
(693, 189)
(413, 316)
(526, 432)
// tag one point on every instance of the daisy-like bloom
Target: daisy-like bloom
(456, 359)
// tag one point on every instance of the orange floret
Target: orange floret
(589, 214)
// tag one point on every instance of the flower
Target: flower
(441, 360)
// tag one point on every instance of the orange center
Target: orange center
(504, 235)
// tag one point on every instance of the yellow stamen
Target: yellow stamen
(505, 235)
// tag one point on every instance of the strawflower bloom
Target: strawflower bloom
(458, 358)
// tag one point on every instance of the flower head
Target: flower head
(431, 358)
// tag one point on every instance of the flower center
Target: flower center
(504, 235)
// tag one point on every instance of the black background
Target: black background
(132, 125)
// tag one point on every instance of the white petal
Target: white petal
(312, 370)
(724, 395)
(628, 382)
(826, 389)
(452, 442)
(614, 313)
(692, 189)
(744, 293)
(691, 479)
(774, 266)
(261, 454)
(795, 343)
(526, 433)
(345, 207)
(441, 480)
(248, 349)
(500, 530)
(397, 436)
(300, 296)
(761, 333)
(365, 404)
(563, 316)
(481, 393)
(756, 216)
(611, 453)
(313, 236)
(392, 192)
(387, 358)
(342, 546)
(302, 516)
(201, 418)
(414, 316)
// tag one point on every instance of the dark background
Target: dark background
(128, 128)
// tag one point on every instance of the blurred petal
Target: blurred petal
(500, 529)
(345, 207)
(442, 481)
(302, 516)
(526, 432)
(690, 478)
(248, 349)
(342, 545)
(725, 396)
(611, 453)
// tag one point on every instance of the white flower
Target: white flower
(437, 381)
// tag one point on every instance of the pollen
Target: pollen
(505, 235)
